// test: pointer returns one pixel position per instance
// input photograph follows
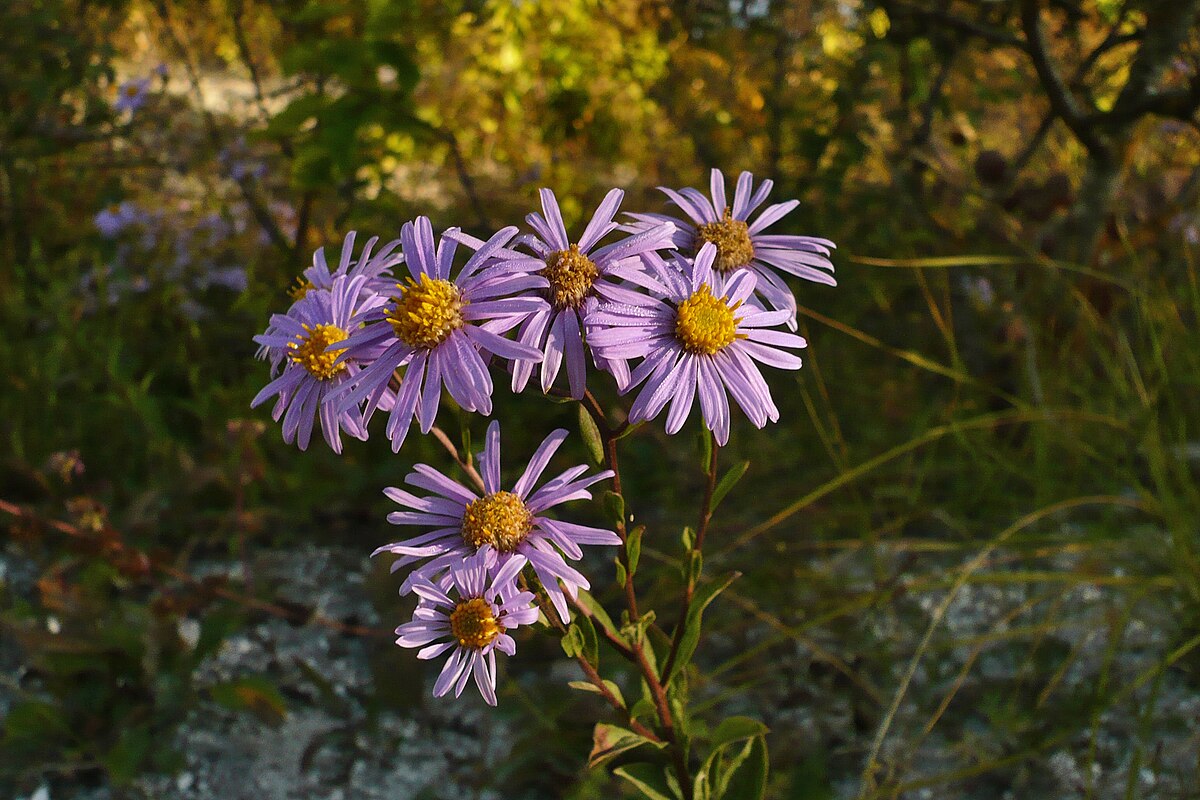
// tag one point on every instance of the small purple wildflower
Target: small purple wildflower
(132, 94)
(307, 338)
(512, 522)
(741, 243)
(469, 614)
(375, 266)
(113, 220)
(442, 330)
(702, 338)
(580, 276)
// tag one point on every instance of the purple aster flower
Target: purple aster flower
(702, 338)
(307, 339)
(114, 219)
(512, 522)
(376, 266)
(470, 615)
(580, 276)
(442, 330)
(132, 94)
(741, 243)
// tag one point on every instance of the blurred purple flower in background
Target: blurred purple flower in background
(114, 219)
(132, 94)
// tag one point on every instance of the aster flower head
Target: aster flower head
(373, 265)
(469, 615)
(741, 242)
(308, 341)
(702, 338)
(132, 94)
(376, 266)
(443, 329)
(512, 522)
(580, 275)
(115, 219)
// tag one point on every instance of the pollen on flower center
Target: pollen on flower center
(705, 324)
(732, 239)
(426, 312)
(311, 351)
(571, 275)
(473, 623)
(498, 519)
(302, 287)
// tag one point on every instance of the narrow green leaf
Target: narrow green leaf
(572, 641)
(691, 632)
(599, 615)
(735, 729)
(621, 574)
(588, 686)
(589, 644)
(633, 547)
(647, 779)
(591, 436)
(744, 775)
(727, 482)
(695, 566)
(610, 741)
(688, 537)
(614, 507)
(629, 429)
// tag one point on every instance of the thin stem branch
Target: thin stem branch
(465, 465)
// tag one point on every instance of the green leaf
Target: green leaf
(647, 779)
(610, 741)
(691, 632)
(614, 507)
(727, 482)
(735, 729)
(589, 644)
(588, 686)
(629, 429)
(599, 615)
(622, 576)
(572, 641)
(695, 566)
(744, 775)
(633, 547)
(688, 537)
(591, 436)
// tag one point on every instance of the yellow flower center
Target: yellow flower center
(732, 239)
(131, 90)
(571, 275)
(303, 286)
(310, 351)
(426, 312)
(473, 625)
(499, 519)
(705, 324)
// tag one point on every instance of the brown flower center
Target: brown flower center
(732, 239)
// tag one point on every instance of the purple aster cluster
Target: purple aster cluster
(674, 310)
